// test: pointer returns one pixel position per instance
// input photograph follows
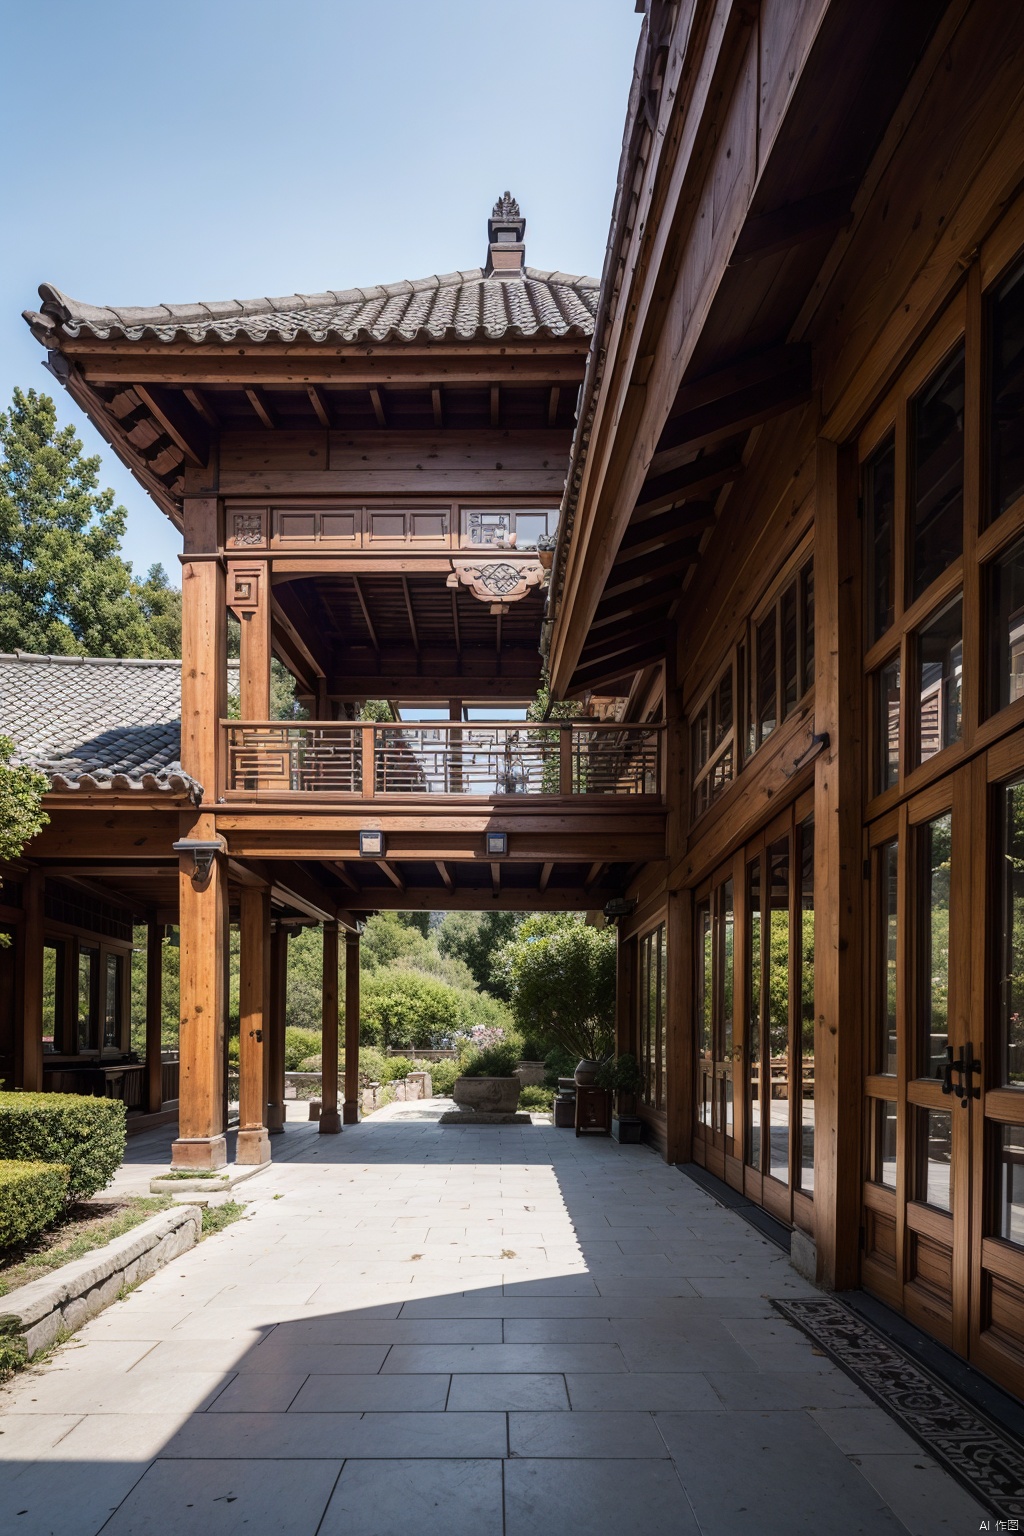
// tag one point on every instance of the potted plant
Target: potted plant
(488, 1084)
(622, 1075)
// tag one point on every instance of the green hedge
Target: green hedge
(86, 1135)
(32, 1195)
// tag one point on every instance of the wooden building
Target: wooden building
(790, 561)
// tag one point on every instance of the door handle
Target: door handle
(946, 1071)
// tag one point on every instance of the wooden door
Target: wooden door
(716, 1022)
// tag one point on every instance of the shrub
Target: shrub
(442, 1077)
(498, 1060)
(621, 1074)
(32, 1195)
(298, 1044)
(533, 1097)
(371, 1066)
(396, 1067)
(86, 1135)
(410, 1008)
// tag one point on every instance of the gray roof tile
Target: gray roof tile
(92, 722)
(461, 304)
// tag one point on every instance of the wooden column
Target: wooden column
(203, 673)
(253, 1019)
(29, 1045)
(838, 868)
(254, 652)
(275, 1120)
(330, 1121)
(350, 1112)
(203, 920)
(680, 1042)
(154, 1016)
(625, 950)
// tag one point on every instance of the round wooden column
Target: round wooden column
(330, 1120)
(203, 920)
(350, 1111)
(275, 1120)
(253, 996)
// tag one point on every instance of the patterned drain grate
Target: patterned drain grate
(979, 1454)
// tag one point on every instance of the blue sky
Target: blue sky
(209, 149)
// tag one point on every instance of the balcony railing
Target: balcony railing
(366, 760)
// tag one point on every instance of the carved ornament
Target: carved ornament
(498, 582)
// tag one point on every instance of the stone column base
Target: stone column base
(275, 1119)
(330, 1122)
(204, 1152)
(253, 1147)
(350, 1112)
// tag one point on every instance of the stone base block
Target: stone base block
(204, 1152)
(350, 1113)
(330, 1122)
(803, 1255)
(482, 1117)
(253, 1147)
(275, 1119)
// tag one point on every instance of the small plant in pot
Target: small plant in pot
(622, 1075)
(488, 1082)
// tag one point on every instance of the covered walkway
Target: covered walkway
(489, 1332)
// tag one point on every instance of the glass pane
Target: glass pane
(889, 867)
(808, 609)
(1006, 393)
(662, 1012)
(88, 985)
(778, 1011)
(937, 474)
(940, 662)
(884, 1171)
(112, 1003)
(934, 1157)
(1011, 939)
(530, 526)
(53, 986)
(754, 1014)
(879, 512)
(807, 1005)
(728, 961)
(1006, 628)
(765, 704)
(790, 690)
(1010, 1156)
(933, 910)
(888, 697)
(723, 696)
(704, 999)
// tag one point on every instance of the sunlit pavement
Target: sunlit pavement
(497, 1332)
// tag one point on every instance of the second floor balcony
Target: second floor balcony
(571, 760)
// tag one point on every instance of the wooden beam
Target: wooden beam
(685, 536)
(766, 234)
(435, 401)
(392, 874)
(545, 876)
(455, 623)
(553, 397)
(200, 403)
(693, 481)
(377, 401)
(343, 875)
(412, 616)
(495, 879)
(185, 429)
(319, 405)
(622, 581)
(495, 405)
(445, 873)
(732, 401)
(366, 614)
(479, 899)
(593, 872)
(283, 622)
(614, 611)
(261, 405)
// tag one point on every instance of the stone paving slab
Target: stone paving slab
(494, 1332)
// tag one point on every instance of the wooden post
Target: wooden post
(29, 1066)
(369, 740)
(254, 656)
(838, 868)
(680, 1044)
(275, 1043)
(350, 1112)
(203, 672)
(565, 759)
(203, 920)
(154, 1016)
(254, 936)
(330, 1122)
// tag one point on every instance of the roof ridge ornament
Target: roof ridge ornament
(506, 234)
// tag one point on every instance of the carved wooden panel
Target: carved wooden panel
(244, 584)
(247, 530)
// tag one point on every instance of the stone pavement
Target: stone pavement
(469, 1332)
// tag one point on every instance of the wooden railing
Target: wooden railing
(366, 760)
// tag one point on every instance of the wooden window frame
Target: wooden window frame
(792, 573)
(703, 775)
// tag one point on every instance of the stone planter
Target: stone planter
(487, 1095)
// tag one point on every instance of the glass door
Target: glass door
(716, 1024)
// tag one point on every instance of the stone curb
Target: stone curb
(79, 1290)
(235, 1173)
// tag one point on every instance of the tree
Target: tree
(561, 977)
(21, 806)
(161, 605)
(475, 938)
(64, 588)
(410, 1008)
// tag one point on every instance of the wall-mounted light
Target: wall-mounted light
(497, 845)
(203, 854)
(619, 906)
(371, 845)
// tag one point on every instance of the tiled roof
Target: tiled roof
(96, 723)
(464, 305)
